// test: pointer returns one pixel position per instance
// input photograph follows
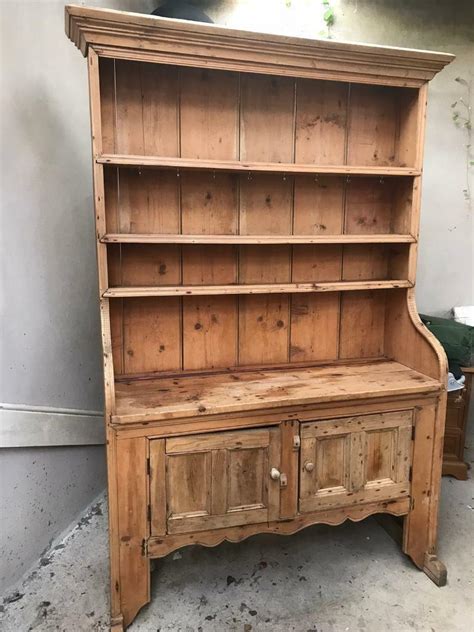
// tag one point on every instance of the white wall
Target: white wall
(50, 328)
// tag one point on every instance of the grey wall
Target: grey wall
(50, 328)
(42, 491)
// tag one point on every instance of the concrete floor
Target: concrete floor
(351, 577)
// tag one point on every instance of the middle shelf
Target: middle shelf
(171, 162)
(263, 288)
(130, 238)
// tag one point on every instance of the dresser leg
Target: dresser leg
(116, 624)
(130, 566)
(134, 583)
(421, 524)
(435, 569)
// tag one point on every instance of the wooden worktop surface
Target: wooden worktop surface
(232, 392)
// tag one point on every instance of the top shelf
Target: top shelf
(248, 167)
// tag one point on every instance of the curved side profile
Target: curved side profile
(411, 343)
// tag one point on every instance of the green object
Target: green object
(457, 340)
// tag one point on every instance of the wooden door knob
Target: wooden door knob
(309, 466)
(275, 474)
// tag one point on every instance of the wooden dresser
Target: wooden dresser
(257, 207)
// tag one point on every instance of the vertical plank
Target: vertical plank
(404, 454)
(273, 487)
(416, 541)
(116, 310)
(373, 121)
(129, 110)
(316, 263)
(132, 522)
(265, 264)
(111, 201)
(210, 324)
(365, 262)
(320, 122)
(314, 327)
(398, 262)
(407, 141)
(98, 170)
(357, 461)
(314, 319)
(438, 445)
(404, 194)
(318, 205)
(247, 478)
(132, 200)
(308, 479)
(159, 88)
(145, 264)
(263, 329)
(413, 209)
(209, 203)
(267, 118)
(318, 209)
(209, 332)
(188, 485)
(107, 103)
(118, 591)
(369, 204)
(151, 339)
(380, 457)
(219, 482)
(158, 487)
(209, 264)
(148, 201)
(114, 529)
(266, 205)
(289, 465)
(362, 325)
(266, 208)
(209, 114)
(331, 470)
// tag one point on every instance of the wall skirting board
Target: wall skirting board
(33, 426)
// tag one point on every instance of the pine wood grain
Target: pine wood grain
(143, 400)
(282, 168)
(257, 208)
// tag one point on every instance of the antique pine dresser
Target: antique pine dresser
(257, 207)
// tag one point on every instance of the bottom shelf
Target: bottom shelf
(232, 392)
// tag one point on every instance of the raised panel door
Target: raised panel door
(215, 480)
(355, 460)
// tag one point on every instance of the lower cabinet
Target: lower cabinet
(228, 479)
(217, 480)
(355, 460)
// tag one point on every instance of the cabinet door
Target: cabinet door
(211, 481)
(355, 460)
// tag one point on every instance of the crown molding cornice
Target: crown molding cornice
(142, 37)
